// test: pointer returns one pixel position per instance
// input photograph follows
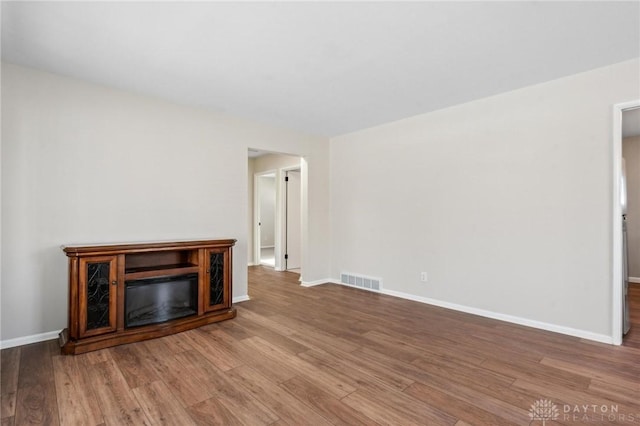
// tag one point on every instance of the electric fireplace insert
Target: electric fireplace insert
(160, 299)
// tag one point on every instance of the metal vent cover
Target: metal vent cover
(361, 281)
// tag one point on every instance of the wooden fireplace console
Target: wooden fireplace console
(98, 277)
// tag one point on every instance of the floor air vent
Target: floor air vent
(361, 281)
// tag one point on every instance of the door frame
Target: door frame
(256, 215)
(617, 285)
(283, 216)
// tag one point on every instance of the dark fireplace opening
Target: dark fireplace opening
(155, 300)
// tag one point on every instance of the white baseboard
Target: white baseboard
(635, 280)
(316, 282)
(19, 341)
(34, 338)
(602, 338)
(252, 264)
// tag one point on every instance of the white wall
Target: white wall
(83, 163)
(506, 201)
(631, 154)
(275, 162)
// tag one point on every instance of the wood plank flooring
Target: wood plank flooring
(632, 338)
(329, 355)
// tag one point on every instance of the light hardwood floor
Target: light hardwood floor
(327, 355)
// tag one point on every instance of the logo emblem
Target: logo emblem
(544, 410)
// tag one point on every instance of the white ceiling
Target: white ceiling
(319, 67)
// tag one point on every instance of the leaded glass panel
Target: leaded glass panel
(97, 295)
(216, 283)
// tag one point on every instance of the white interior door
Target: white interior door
(266, 219)
(293, 220)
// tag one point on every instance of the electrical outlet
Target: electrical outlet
(423, 277)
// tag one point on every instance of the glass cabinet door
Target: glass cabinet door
(216, 291)
(97, 291)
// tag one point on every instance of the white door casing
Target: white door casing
(293, 226)
(617, 278)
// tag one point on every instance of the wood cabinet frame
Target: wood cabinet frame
(140, 261)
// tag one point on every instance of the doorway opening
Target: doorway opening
(277, 190)
(626, 126)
